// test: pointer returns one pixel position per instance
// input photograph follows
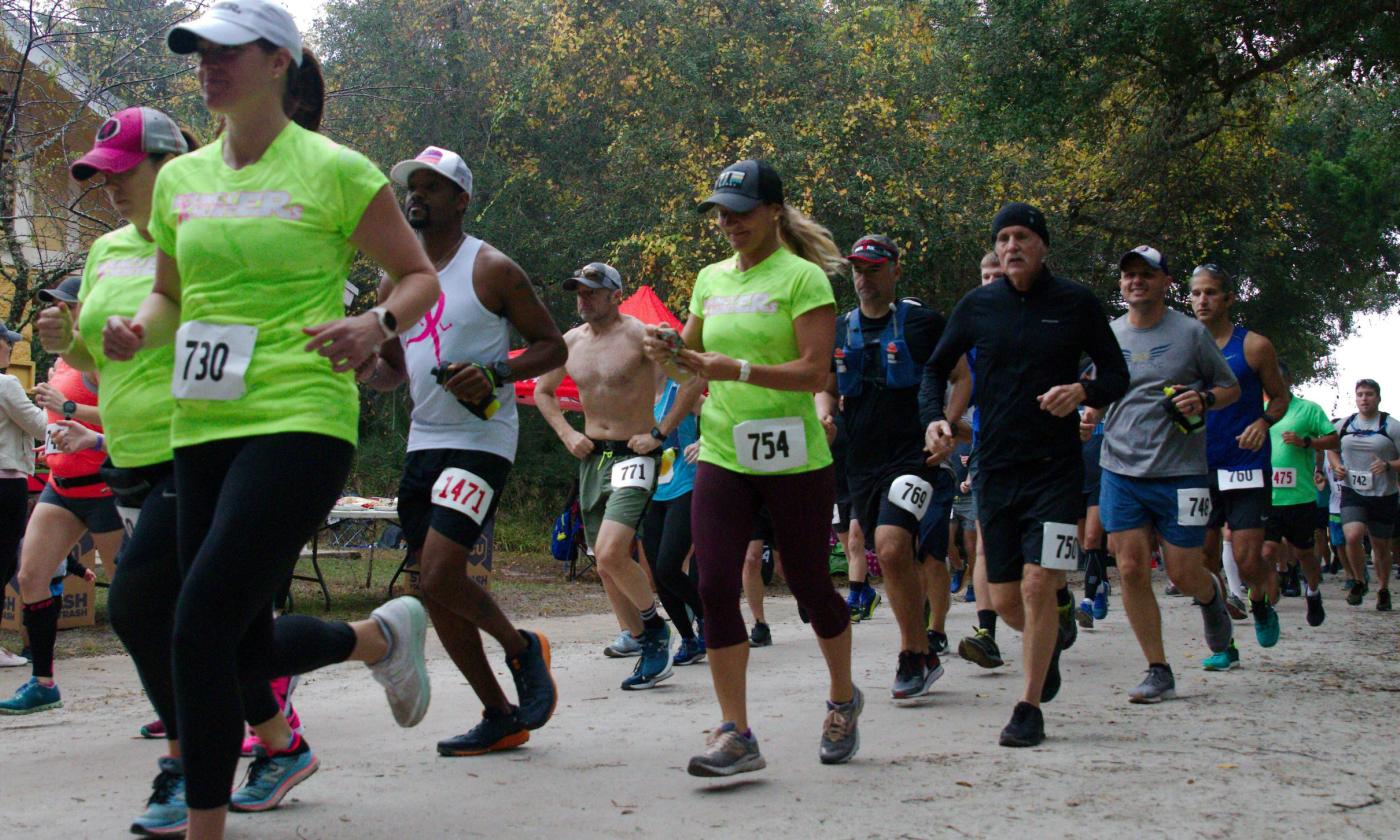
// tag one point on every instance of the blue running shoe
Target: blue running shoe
(272, 777)
(1084, 614)
(956, 581)
(655, 662)
(166, 814)
(1266, 626)
(1101, 602)
(32, 697)
(690, 652)
(1226, 660)
(853, 604)
(869, 600)
(969, 596)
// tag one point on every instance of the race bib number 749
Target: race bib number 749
(465, 492)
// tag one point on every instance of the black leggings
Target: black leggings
(246, 508)
(666, 539)
(14, 513)
(141, 602)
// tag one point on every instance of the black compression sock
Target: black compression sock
(41, 620)
(1062, 597)
(650, 619)
(1258, 607)
(1094, 571)
(987, 620)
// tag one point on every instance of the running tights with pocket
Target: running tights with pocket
(666, 540)
(246, 508)
(723, 512)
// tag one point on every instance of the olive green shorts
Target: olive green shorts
(598, 501)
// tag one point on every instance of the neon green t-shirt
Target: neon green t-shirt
(134, 397)
(266, 246)
(749, 315)
(1304, 418)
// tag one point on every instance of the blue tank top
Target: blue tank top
(682, 474)
(1225, 424)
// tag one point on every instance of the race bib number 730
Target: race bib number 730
(465, 492)
(211, 360)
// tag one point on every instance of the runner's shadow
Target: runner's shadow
(732, 787)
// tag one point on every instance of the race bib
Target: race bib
(465, 492)
(771, 445)
(129, 515)
(1059, 547)
(1239, 479)
(911, 493)
(634, 472)
(211, 360)
(50, 447)
(1361, 479)
(1286, 478)
(1193, 507)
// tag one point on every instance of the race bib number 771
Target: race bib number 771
(465, 492)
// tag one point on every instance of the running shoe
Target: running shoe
(690, 652)
(155, 730)
(1219, 630)
(1292, 587)
(1051, 688)
(1159, 685)
(497, 731)
(853, 604)
(1316, 614)
(1383, 600)
(1084, 614)
(166, 814)
(727, 751)
(1173, 591)
(402, 671)
(969, 596)
(1225, 660)
(624, 646)
(955, 581)
(938, 643)
(655, 662)
(761, 635)
(916, 674)
(840, 730)
(1101, 602)
(251, 741)
(981, 648)
(12, 660)
(1069, 628)
(869, 600)
(1026, 729)
(272, 776)
(1235, 606)
(1357, 593)
(1266, 626)
(534, 684)
(32, 697)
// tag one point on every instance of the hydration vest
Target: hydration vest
(899, 370)
(1380, 430)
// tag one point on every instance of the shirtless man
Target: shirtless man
(617, 450)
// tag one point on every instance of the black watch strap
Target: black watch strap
(503, 373)
(656, 433)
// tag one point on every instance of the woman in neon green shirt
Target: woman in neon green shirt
(255, 233)
(760, 330)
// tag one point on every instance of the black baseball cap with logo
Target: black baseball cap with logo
(744, 185)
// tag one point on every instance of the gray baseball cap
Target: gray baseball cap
(595, 275)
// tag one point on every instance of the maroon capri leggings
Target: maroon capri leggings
(722, 516)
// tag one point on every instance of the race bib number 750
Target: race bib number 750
(465, 492)
(1059, 546)
(211, 360)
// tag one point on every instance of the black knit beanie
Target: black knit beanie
(1024, 215)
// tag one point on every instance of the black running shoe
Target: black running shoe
(1069, 628)
(1358, 591)
(534, 685)
(1026, 729)
(980, 648)
(1052, 676)
(1316, 614)
(1383, 600)
(761, 635)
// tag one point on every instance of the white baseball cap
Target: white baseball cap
(445, 163)
(231, 23)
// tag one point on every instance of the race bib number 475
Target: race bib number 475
(465, 492)
(771, 445)
(211, 360)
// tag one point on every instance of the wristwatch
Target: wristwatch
(656, 433)
(1207, 397)
(503, 372)
(744, 370)
(1307, 443)
(69, 409)
(387, 322)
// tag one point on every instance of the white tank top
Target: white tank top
(458, 328)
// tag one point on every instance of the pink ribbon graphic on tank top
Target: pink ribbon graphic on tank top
(433, 328)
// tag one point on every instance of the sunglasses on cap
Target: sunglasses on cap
(1209, 268)
(872, 250)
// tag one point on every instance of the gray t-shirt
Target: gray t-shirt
(1362, 444)
(1139, 438)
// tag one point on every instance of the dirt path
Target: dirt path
(1299, 742)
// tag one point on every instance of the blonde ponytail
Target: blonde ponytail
(803, 236)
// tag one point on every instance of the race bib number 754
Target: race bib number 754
(771, 445)
(465, 492)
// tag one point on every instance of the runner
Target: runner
(74, 502)
(760, 331)
(618, 451)
(1369, 445)
(1155, 491)
(862, 598)
(21, 423)
(1094, 607)
(881, 347)
(1296, 442)
(459, 451)
(1237, 445)
(1029, 329)
(251, 261)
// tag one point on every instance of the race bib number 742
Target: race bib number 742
(465, 492)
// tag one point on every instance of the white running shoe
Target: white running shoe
(11, 660)
(402, 671)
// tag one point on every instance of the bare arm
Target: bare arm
(961, 378)
(687, 403)
(547, 401)
(1259, 353)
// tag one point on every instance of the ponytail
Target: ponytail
(304, 96)
(803, 236)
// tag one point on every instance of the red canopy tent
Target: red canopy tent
(644, 305)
